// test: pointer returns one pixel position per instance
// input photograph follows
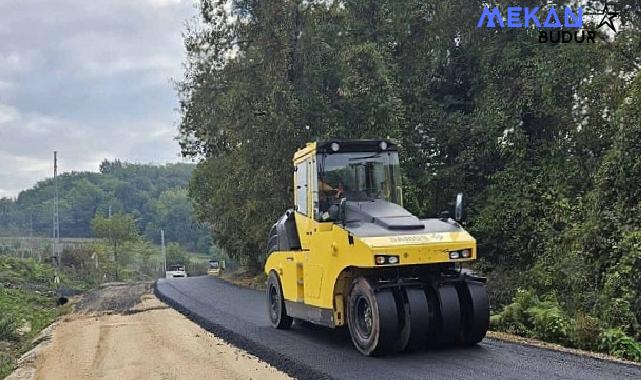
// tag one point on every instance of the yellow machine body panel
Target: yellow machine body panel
(310, 275)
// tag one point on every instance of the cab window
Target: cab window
(301, 186)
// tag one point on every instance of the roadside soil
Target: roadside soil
(245, 279)
(122, 331)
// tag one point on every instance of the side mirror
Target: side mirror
(458, 208)
(342, 210)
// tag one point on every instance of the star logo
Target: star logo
(607, 17)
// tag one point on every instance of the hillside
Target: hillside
(154, 194)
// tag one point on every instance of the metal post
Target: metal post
(31, 235)
(163, 251)
(56, 219)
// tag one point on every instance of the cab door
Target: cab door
(293, 268)
(305, 177)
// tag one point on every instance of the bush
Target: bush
(549, 322)
(585, 332)
(514, 318)
(621, 298)
(529, 316)
(8, 329)
(6, 364)
(615, 342)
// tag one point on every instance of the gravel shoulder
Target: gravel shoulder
(122, 331)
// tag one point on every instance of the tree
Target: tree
(543, 144)
(122, 187)
(173, 213)
(117, 230)
(176, 255)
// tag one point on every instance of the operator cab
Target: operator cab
(357, 183)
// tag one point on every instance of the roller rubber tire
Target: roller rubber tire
(476, 312)
(276, 304)
(448, 329)
(419, 318)
(404, 318)
(372, 318)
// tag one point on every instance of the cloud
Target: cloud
(8, 114)
(163, 3)
(89, 79)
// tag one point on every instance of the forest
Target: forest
(544, 139)
(154, 196)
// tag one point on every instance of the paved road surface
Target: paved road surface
(239, 316)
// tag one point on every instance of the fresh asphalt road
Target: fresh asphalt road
(239, 316)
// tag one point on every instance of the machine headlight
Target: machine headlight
(382, 260)
(335, 147)
(455, 254)
(383, 145)
(466, 253)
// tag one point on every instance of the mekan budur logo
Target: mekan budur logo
(555, 24)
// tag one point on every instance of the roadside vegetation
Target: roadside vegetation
(28, 304)
(544, 140)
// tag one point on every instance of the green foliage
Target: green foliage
(173, 213)
(546, 320)
(585, 333)
(8, 329)
(27, 304)
(530, 316)
(615, 342)
(23, 273)
(116, 230)
(549, 322)
(176, 255)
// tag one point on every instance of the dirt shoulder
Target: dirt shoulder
(122, 331)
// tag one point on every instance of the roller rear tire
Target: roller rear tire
(419, 318)
(276, 304)
(476, 312)
(448, 328)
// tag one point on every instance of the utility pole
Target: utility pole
(56, 219)
(30, 236)
(163, 251)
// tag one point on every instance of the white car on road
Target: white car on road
(176, 271)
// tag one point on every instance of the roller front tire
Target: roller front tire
(372, 318)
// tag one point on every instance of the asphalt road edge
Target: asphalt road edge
(543, 345)
(258, 349)
(516, 339)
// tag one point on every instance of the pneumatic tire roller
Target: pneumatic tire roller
(350, 254)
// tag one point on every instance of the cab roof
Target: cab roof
(345, 145)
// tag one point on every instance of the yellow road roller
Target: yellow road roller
(350, 254)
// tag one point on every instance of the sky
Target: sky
(89, 79)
